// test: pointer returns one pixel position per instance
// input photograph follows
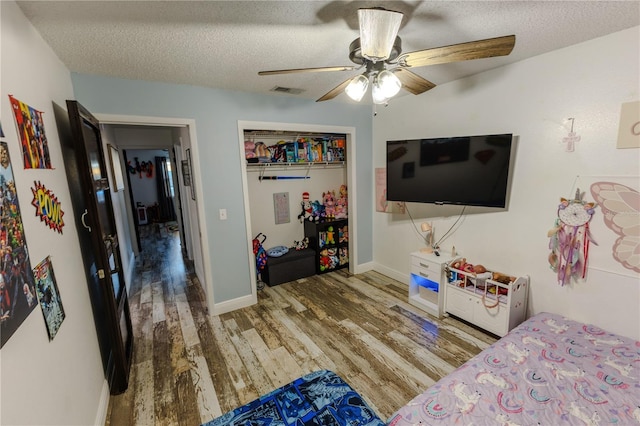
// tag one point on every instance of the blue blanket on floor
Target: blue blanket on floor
(319, 398)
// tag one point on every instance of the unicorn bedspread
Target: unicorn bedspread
(549, 370)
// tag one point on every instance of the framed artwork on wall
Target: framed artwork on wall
(193, 188)
(116, 169)
(281, 207)
(17, 285)
(186, 173)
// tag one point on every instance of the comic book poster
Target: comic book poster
(33, 140)
(49, 296)
(17, 287)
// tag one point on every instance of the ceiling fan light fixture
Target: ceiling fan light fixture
(388, 83)
(357, 87)
(378, 30)
(377, 95)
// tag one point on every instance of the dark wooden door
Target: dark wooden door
(97, 228)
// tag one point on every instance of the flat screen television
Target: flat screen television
(467, 170)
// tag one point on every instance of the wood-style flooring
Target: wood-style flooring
(189, 368)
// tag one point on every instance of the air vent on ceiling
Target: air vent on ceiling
(288, 90)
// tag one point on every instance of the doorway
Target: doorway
(349, 132)
(153, 190)
(177, 137)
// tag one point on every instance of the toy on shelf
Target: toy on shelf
(249, 149)
(343, 234)
(341, 204)
(330, 235)
(328, 200)
(302, 244)
(307, 208)
(343, 255)
(317, 211)
(322, 239)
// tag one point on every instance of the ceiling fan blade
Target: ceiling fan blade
(412, 82)
(499, 46)
(335, 91)
(297, 70)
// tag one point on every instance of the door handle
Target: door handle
(82, 220)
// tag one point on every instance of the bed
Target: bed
(547, 371)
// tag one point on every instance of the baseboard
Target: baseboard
(103, 406)
(363, 267)
(232, 305)
(391, 273)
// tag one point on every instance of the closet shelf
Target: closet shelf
(258, 167)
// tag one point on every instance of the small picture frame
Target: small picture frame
(116, 169)
(193, 188)
(186, 173)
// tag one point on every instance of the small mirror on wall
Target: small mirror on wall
(116, 169)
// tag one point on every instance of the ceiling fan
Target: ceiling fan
(379, 47)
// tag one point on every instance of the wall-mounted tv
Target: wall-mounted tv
(467, 170)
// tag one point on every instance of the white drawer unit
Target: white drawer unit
(494, 306)
(426, 282)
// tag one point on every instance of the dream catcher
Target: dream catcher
(570, 238)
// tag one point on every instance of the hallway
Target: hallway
(162, 296)
(189, 368)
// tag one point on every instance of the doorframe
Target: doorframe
(196, 176)
(350, 133)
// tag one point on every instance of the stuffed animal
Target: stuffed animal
(343, 255)
(328, 200)
(307, 209)
(333, 258)
(302, 244)
(318, 212)
(325, 263)
(341, 203)
(249, 149)
(343, 234)
(341, 208)
(331, 235)
(262, 152)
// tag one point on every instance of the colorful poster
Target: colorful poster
(48, 208)
(17, 286)
(49, 296)
(33, 140)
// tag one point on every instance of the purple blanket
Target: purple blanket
(549, 370)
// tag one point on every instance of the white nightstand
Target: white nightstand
(427, 282)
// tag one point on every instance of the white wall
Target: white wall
(532, 99)
(262, 204)
(62, 381)
(144, 188)
(216, 114)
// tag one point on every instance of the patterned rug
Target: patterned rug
(319, 398)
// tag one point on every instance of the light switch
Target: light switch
(223, 214)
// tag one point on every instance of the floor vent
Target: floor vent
(288, 90)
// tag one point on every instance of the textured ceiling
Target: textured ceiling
(224, 44)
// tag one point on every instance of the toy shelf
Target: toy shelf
(496, 306)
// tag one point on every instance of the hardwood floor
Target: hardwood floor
(189, 368)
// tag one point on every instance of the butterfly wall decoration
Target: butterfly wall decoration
(620, 206)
